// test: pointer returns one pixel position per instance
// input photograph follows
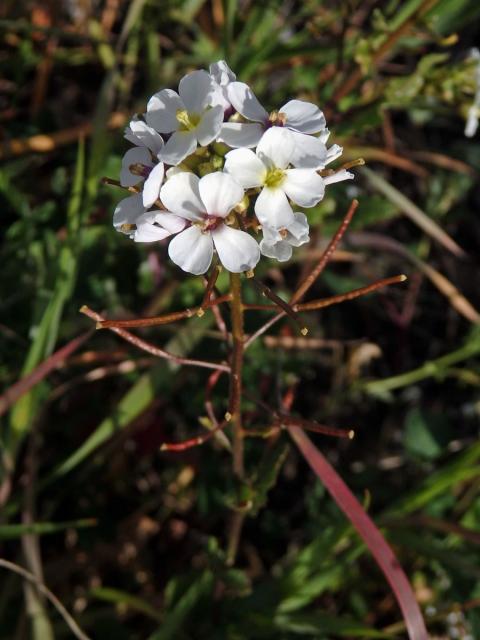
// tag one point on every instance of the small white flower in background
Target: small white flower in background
(206, 202)
(213, 123)
(187, 115)
(267, 168)
(278, 243)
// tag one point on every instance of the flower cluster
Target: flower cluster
(213, 168)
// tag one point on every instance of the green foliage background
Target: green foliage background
(132, 540)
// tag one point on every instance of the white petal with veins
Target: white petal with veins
(237, 250)
(245, 167)
(276, 148)
(304, 186)
(219, 193)
(245, 102)
(162, 111)
(192, 250)
(180, 195)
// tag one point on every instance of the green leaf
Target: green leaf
(200, 588)
(420, 437)
(12, 531)
(118, 597)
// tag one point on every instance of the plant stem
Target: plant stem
(236, 373)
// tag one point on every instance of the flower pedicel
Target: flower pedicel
(211, 167)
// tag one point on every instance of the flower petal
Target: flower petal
(192, 250)
(140, 134)
(219, 193)
(298, 231)
(127, 212)
(273, 209)
(209, 125)
(169, 221)
(280, 251)
(334, 152)
(147, 232)
(245, 102)
(310, 152)
(162, 111)
(137, 155)
(237, 250)
(303, 116)
(241, 134)
(304, 186)
(151, 187)
(244, 166)
(343, 174)
(181, 196)
(180, 145)
(195, 89)
(221, 73)
(276, 148)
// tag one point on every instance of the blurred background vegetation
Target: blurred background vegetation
(130, 539)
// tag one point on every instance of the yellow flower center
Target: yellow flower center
(188, 121)
(274, 177)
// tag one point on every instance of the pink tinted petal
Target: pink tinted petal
(151, 187)
(180, 195)
(276, 148)
(244, 166)
(195, 90)
(273, 209)
(237, 250)
(303, 116)
(245, 102)
(304, 186)
(180, 145)
(209, 126)
(192, 250)
(310, 152)
(162, 111)
(219, 193)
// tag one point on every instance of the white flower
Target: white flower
(278, 243)
(187, 115)
(131, 219)
(141, 135)
(206, 202)
(138, 166)
(267, 168)
(301, 118)
(222, 76)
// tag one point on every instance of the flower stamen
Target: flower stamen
(274, 177)
(188, 121)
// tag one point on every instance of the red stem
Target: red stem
(368, 531)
